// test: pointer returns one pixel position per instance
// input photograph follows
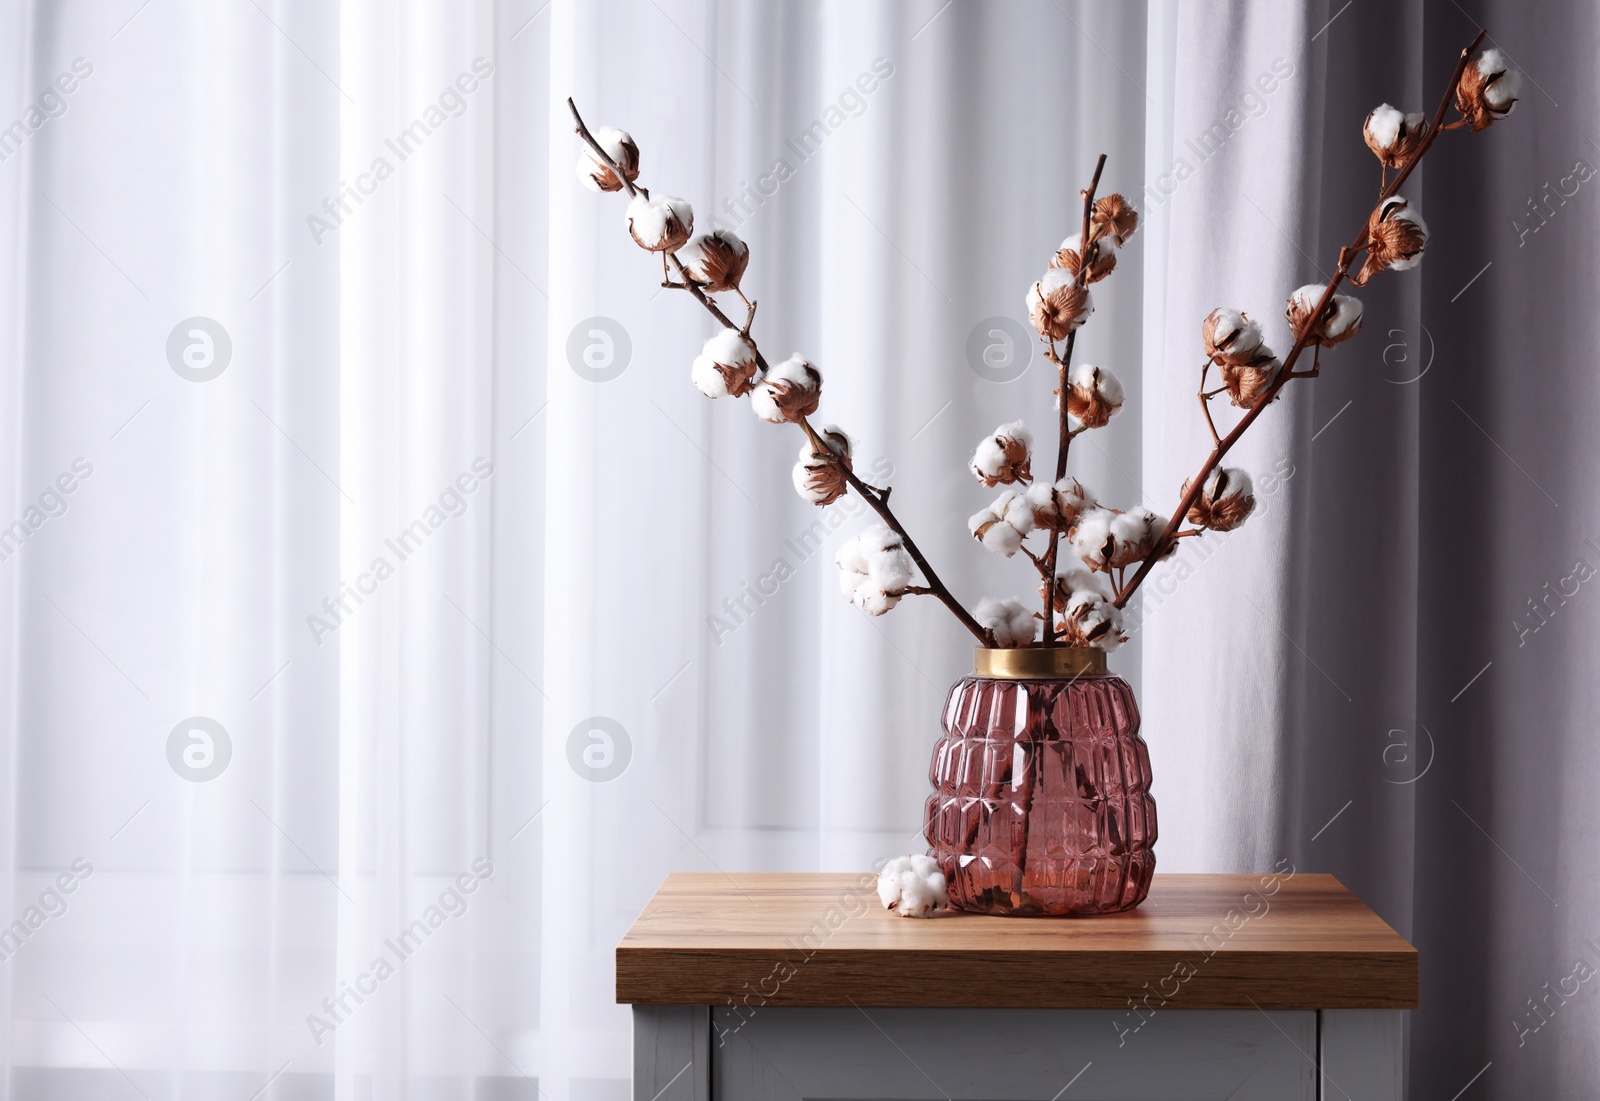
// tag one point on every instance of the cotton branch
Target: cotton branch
(1347, 256)
(878, 499)
(1086, 252)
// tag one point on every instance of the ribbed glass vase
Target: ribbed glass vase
(1041, 788)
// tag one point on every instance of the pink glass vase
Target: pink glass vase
(1041, 788)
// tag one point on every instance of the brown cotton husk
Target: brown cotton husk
(1391, 237)
(1472, 97)
(1105, 262)
(1061, 311)
(1246, 384)
(1222, 510)
(1115, 217)
(723, 265)
(1088, 405)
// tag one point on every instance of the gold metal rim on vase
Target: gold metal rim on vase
(1038, 662)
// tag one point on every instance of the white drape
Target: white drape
(409, 615)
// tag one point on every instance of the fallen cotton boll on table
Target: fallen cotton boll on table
(912, 886)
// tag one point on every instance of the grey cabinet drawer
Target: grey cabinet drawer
(784, 1054)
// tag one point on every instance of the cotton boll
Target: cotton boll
(1383, 127)
(789, 391)
(620, 147)
(1396, 237)
(716, 260)
(1002, 539)
(1225, 500)
(1233, 342)
(1344, 321)
(819, 478)
(1231, 338)
(1339, 321)
(1079, 580)
(707, 379)
(726, 366)
(1092, 620)
(1116, 218)
(891, 569)
(1018, 512)
(1488, 90)
(916, 901)
(1136, 532)
(912, 886)
(1057, 306)
(661, 223)
(1011, 623)
(1091, 538)
(1392, 135)
(1502, 90)
(1056, 507)
(1105, 538)
(1249, 384)
(1003, 458)
(874, 569)
(852, 566)
(1094, 395)
(1070, 258)
(1001, 526)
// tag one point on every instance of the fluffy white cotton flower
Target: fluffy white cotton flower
(1396, 238)
(1004, 456)
(1105, 538)
(852, 566)
(818, 478)
(1079, 580)
(1057, 506)
(725, 367)
(912, 886)
(790, 390)
(1091, 538)
(1001, 526)
(619, 146)
(1094, 395)
(1231, 338)
(1092, 620)
(1339, 322)
(1011, 622)
(1488, 89)
(1504, 82)
(889, 566)
(1383, 127)
(1225, 501)
(1392, 135)
(661, 223)
(716, 260)
(874, 569)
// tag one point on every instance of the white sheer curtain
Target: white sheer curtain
(388, 614)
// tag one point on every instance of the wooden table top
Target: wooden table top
(1286, 941)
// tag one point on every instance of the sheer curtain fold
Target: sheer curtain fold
(410, 615)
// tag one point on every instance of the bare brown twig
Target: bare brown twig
(1347, 256)
(876, 498)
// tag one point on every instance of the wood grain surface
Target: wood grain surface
(1271, 941)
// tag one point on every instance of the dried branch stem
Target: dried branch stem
(877, 499)
(1347, 256)
(1086, 250)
